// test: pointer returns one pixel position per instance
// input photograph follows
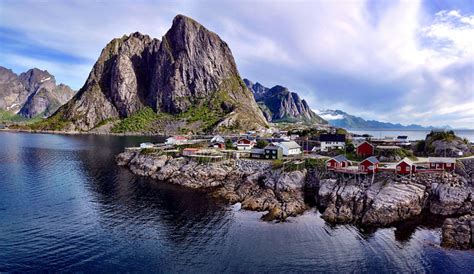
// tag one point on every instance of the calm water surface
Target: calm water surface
(66, 206)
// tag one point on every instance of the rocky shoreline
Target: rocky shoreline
(260, 186)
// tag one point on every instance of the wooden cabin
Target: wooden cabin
(442, 163)
(405, 166)
(365, 149)
(369, 165)
(340, 161)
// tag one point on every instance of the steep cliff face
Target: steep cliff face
(281, 105)
(190, 69)
(32, 93)
(116, 86)
(12, 92)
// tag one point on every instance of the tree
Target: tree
(229, 144)
(350, 147)
(261, 144)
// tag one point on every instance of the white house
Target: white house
(217, 139)
(176, 140)
(245, 144)
(332, 141)
(290, 148)
(146, 145)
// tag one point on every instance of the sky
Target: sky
(406, 61)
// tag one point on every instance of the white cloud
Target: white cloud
(396, 63)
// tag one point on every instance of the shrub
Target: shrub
(146, 151)
(229, 144)
(139, 121)
(277, 164)
(261, 144)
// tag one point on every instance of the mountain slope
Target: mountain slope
(342, 119)
(190, 72)
(32, 93)
(278, 104)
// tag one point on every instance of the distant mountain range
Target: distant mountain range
(32, 93)
(279, 104)
(339, 118)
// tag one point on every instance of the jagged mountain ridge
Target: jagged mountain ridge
(190, 70)
(339, 118)
(278, 104)
(31, 93)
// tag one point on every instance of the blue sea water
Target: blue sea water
(66, 207)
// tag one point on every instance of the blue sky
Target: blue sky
(401, 61)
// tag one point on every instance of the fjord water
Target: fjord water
(66, 206)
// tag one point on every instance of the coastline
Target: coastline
(259, 186)
(78, 132)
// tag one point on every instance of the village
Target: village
(342, 154)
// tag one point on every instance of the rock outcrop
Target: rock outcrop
(191, 72)
(32, 93)
(444, 144)
(389, 199)
(458, 233)
(278, 104)
(254, 184)
(259, 186)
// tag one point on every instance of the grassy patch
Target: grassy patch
(55, 122)
(6, 116)
(139, 121)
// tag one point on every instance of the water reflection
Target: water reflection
(66, 206)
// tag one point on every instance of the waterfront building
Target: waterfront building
(290, 148)
(365, 149)
(369, 165)
(340, 161)
(332, 141)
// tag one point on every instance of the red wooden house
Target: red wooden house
(339, 161)
(365, 149)
(405, 166)
(441, 163)
(218, 145)
(245, 144)
(369, 165)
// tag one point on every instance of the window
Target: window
(448, 165)
(407, 168)
(399, 168)
(274, 152)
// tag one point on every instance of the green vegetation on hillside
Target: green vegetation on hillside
(6, 116)
(138, 122)
(55, 122)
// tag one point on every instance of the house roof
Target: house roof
(442, 160)
(177, 138)
(272, 147)
(372, 159)
(217, 138)
(191, 149)
(257, 151)
(365, 142)
(406, 160)
(332, 138)
(290, 145)
(388, 147)
(244, 139)
(402, 137)
(340, 158)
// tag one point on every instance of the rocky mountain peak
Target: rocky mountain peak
(191, 68)
(31, 93)
(279, 104)
(35, 78)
